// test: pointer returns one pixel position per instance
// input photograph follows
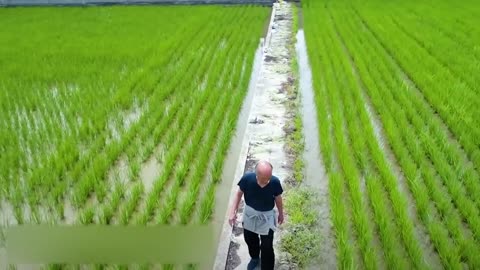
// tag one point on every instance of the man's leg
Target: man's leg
(253, 243)
(268, 255)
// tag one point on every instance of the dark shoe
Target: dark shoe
(252, 264)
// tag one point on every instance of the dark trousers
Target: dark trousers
(265, 246)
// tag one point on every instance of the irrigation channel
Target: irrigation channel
(315, 175)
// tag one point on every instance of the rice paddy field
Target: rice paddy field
(397, 94)
(124, 115)
(119, 115)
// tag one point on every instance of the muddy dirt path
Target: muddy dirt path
(265, 134)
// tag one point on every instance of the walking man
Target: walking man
(262, 192)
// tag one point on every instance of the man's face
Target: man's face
(263, 178)
(263, 172)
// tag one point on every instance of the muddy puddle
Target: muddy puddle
(149, 173)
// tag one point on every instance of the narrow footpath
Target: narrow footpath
(265, 133)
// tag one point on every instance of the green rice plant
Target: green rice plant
(152, 203)
(186, 207)
(55, 266)
(35, 217)
(166, 209)
(121, 267)
(160, 156)
(206, 205)
(59, 210)
(125, 216)
(87, 215)
(131, 204)
(82, 191)
(180, 174)
(170, 159)
(142, 219)
(168, 267)
(190, 267)
(100, 191)
(100, 266)
(18, 214)
(106, 215)
(135, 167)
(145, 266)
(385, 226)
(217, 168)
(118, 195)
(345, 256)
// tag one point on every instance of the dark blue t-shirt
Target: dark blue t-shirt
(260, 199)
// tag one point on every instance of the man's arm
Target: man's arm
(279, 204)
(233, 210)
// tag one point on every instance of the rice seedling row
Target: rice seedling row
(129, 143)
(456, 104)
(216, 101)
(380, 172)
(384, 101)
(348, 169)
(447, 172)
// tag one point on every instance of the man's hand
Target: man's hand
(280, 218)
(279, 203)
(232, 219)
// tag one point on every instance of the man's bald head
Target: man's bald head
(264, 169)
